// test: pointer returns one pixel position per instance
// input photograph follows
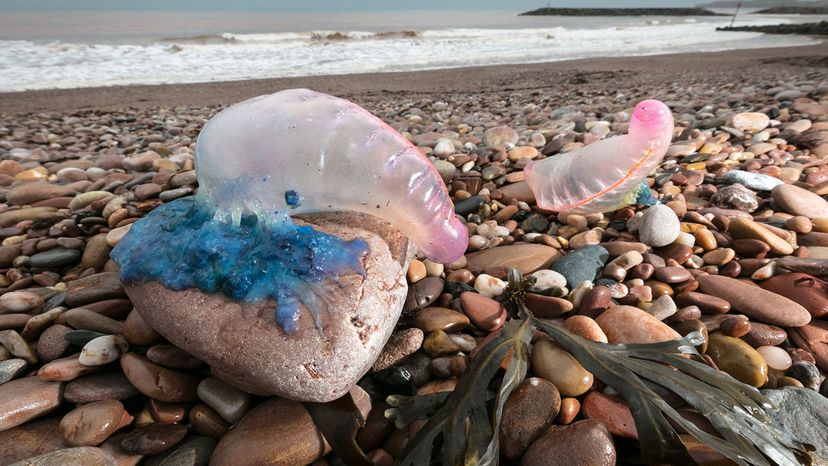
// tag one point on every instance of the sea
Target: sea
(71, 49)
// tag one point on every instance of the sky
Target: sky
(324, 5)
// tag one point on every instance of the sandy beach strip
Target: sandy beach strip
(556, 78)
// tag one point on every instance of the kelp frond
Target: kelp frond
(469, 434)
(638, 372)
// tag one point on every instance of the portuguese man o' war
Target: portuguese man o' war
(333, 155)
(264, 159)
(607, 174)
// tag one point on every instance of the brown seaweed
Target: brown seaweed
(638, 372)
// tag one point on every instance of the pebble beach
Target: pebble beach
(736, 249)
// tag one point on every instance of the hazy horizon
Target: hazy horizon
(320, 5)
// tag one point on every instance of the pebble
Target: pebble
(257, 440)
(11, 368)
(401, 344)
(662, 308)
(627, 324)
(52, 344)
(416, 271)
(30, 439)
(194, 450)
(525, 257)
(659, 226)
(90, 424)
(806, 372)
(84, 199)
(64, 369)
(672, 274)
(103, 350)
(19, 301)
(138, 332)
(755, 302)
(745, 228)
(86, 456)
(738, 359)
(751, 121)
(802, 289)
(97, 387)
(17, 346)
(230, 402)
(757, 181)
(440, 318)
(485, 313)
(775, 357)
(804, 413)
(584, 442)
(530, 409)
(736, 196)
(546, 279)
(423, 293)
(612, 412)
(488, 285)
(158, 382)
(581, 265)
(500, 136)
(58, 257)
(208, 422)
(553, 363)
(798, 201)
(153, 439)
(81, 318)
(585, 327)
(28, 398)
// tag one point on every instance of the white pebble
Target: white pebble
(577, 294)
(488, 285)
(776, 357)
(433, 269)
(659, 226)
(19, 301)
(546, 279)
(443, 147)
(103, 350)
(686, 239)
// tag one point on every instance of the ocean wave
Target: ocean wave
(28, 65)
(290, 37)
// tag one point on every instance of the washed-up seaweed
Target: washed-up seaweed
(640, 373)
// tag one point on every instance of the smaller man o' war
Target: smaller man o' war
(604, 175)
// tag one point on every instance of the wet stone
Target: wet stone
(738, 359)
(52, 342)
(153, 439)
(28, 398)
(439, 318)
(530, 409)
(257, 440)
(97, 387)
(230, 402)
(194, 450)
(30, 439)
(208, 422)
(401, 344)
(11, 368)
(584, 442)
(86, 456)
(57, 257)
(553, 363)
(92, 423)
(581, 265)
(158, 382)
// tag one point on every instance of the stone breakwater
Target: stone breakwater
(737, 249)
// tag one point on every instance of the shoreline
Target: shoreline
(589, 73)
